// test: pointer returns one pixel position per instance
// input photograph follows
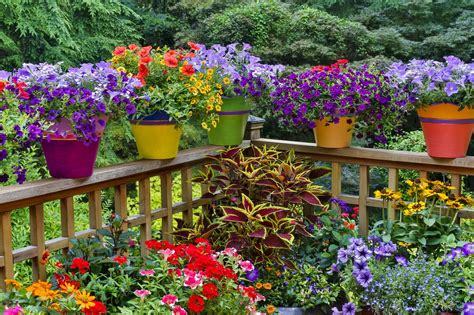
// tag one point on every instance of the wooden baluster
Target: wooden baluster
(336, 177)
(204, 190)
(393, 185)
(37, 240)
(167, 203)
(67, 221)
(424, 174)
(187, 194)
(6, 272)
(120, 201)
(95, 210)
(456, 182)
(363, 195)
(144, 196)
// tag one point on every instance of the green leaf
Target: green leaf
(429, 222)
(422, 241)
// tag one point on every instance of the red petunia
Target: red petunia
(171, 53)
(142, 71)
(145, 51)
(132, 47)
(171, 62)
(120, 260)
(146, 59)
(193, 46)
(210, 291)
(2, 86)
(196, 304)
(187, 70)
(81, 264)
(97, 309)
(342, 61)
(119, 50)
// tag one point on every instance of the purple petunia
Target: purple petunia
(364, 277)
(468, 249)
(252, 275)
(401, 260)
(348, 309)
(468, 308)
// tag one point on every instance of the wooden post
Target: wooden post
(336, 176)
(424, 174)
(95, 210)
(254, 128)
(187, 194)
(67, 221)
(37, 240)
(392, 184)
(145, 210)
(6, 272)
(120, 201)
(456, 182)
(167, 203)
(363, 195)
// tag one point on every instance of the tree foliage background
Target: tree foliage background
(293, 32)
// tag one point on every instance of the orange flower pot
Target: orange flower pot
(447, 129)
(334, 136)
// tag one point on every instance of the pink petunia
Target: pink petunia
(147, 272)
(246, 265)
(142, 293)
(178, 310)
(169, 299)
(166, 253)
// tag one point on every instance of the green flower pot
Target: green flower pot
(230, 129)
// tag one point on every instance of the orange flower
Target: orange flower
(119, 50)
(13, 283)
(84, 299)
(187, 70)
(267, 286)
(258, 285)
(271, 309)
(349, 225)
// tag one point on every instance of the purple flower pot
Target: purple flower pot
(69, 157)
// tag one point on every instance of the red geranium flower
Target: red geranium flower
(196, 304)
(119, 50)
(120, 260)
(97, 309)
(81, 264)
(210, 291)
(187, 70)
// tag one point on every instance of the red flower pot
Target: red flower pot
(447, 130)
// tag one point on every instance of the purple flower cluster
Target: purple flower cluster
(466, 250)
(84, 97)
(249, 75)
(347, 309)
(434, 81)
(359, 254)
(364, 94)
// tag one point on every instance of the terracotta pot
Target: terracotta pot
(335, 136)
(447, 130)
(230, 129)
(157, 137)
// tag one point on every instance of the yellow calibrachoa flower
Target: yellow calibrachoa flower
(193, 90)
(192, 78)
(210, 107)
(271, 309)
(122, 69)
(84, 299)
(258, 285)
(214, 123)
(17, 285)
(267, 286)
(210, 72)
(226, 80)
(190, 114)
(218, 108)
(204, 125)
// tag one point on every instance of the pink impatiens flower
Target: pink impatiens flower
(169, 299)
(178, 310)
(142, 293)
(246, 265)
(147, 272)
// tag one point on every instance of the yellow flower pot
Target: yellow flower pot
(334, 136)
(156, 139)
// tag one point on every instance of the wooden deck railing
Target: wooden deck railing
(34, 195)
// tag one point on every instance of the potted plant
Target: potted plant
(421, 223)
(335, 100)
(242, 77)
(172, 93)
(70, 110)
(15, 139)
(445, 102)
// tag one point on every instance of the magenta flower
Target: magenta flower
(246, 265)
(169, 299)
(17, 310)
(178, 310)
